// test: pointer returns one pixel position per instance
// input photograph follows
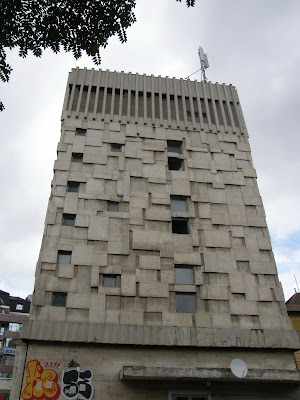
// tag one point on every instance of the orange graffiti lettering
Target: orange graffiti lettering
(41, 383)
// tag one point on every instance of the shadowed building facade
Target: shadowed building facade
(156, 269)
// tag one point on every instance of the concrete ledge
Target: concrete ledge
(211, 374)
(160, 336)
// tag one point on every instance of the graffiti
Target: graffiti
(76, 383)
(42, 382)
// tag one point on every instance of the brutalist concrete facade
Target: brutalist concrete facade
(156, 268)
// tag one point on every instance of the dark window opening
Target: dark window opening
(178, 204)
(77, 157)
(184, 275)
(172, 97)
(141, 94)
(117, 92)
(64, 257)
(196, 114)
(109, 90)
(133, 93)
(109, 280)
(116, 147)
(112, 206)
(73, 187)
(174, 146)
(69, 219)
(125, 92)
(94, 88)
(80, 132)
(175, 164)
(185, 302)
(180, 225)
(59, 299)
(164, 96)
(189, 397)
(189, 114)
(149, 95)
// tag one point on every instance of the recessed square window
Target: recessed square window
(180, 225)
(77, 157)
(116, 147)
(175, 164)
(73, 187)
(178, 204)
(184, 275)
(185, 302)
(59, 299)
(112, 206)
(69, 219)
(80, 132)
(109, 280)
(64, 257)
(174, 146)
(19, 307)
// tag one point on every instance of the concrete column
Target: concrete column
(18, 372)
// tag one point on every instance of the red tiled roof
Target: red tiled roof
(293, 304)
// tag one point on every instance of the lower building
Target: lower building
(293, 309)
(13, 312)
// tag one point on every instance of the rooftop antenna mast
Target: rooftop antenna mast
(203, 62)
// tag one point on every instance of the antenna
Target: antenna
(203, 62)
(296, 284)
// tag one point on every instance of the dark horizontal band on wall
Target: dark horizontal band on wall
(211, 374)
(160, 336)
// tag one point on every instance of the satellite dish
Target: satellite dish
(238, 368)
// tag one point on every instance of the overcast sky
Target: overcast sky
(251, 44)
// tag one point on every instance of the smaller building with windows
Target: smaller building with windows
(13, 312)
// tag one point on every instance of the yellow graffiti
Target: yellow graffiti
(41, 383)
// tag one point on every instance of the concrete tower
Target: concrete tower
(156, 270)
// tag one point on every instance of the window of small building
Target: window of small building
(184, 275)
(178, 204)
(174, 146)
(185, 302)
(19, 307)
(112, 206)
(109, 280)
(116, 147)
(180, 225)
(73, 187)
(59, 299)
(69, 219)
(77, 157)
(175, 164)
(64, 257)
(80, 132)
(14, 327)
